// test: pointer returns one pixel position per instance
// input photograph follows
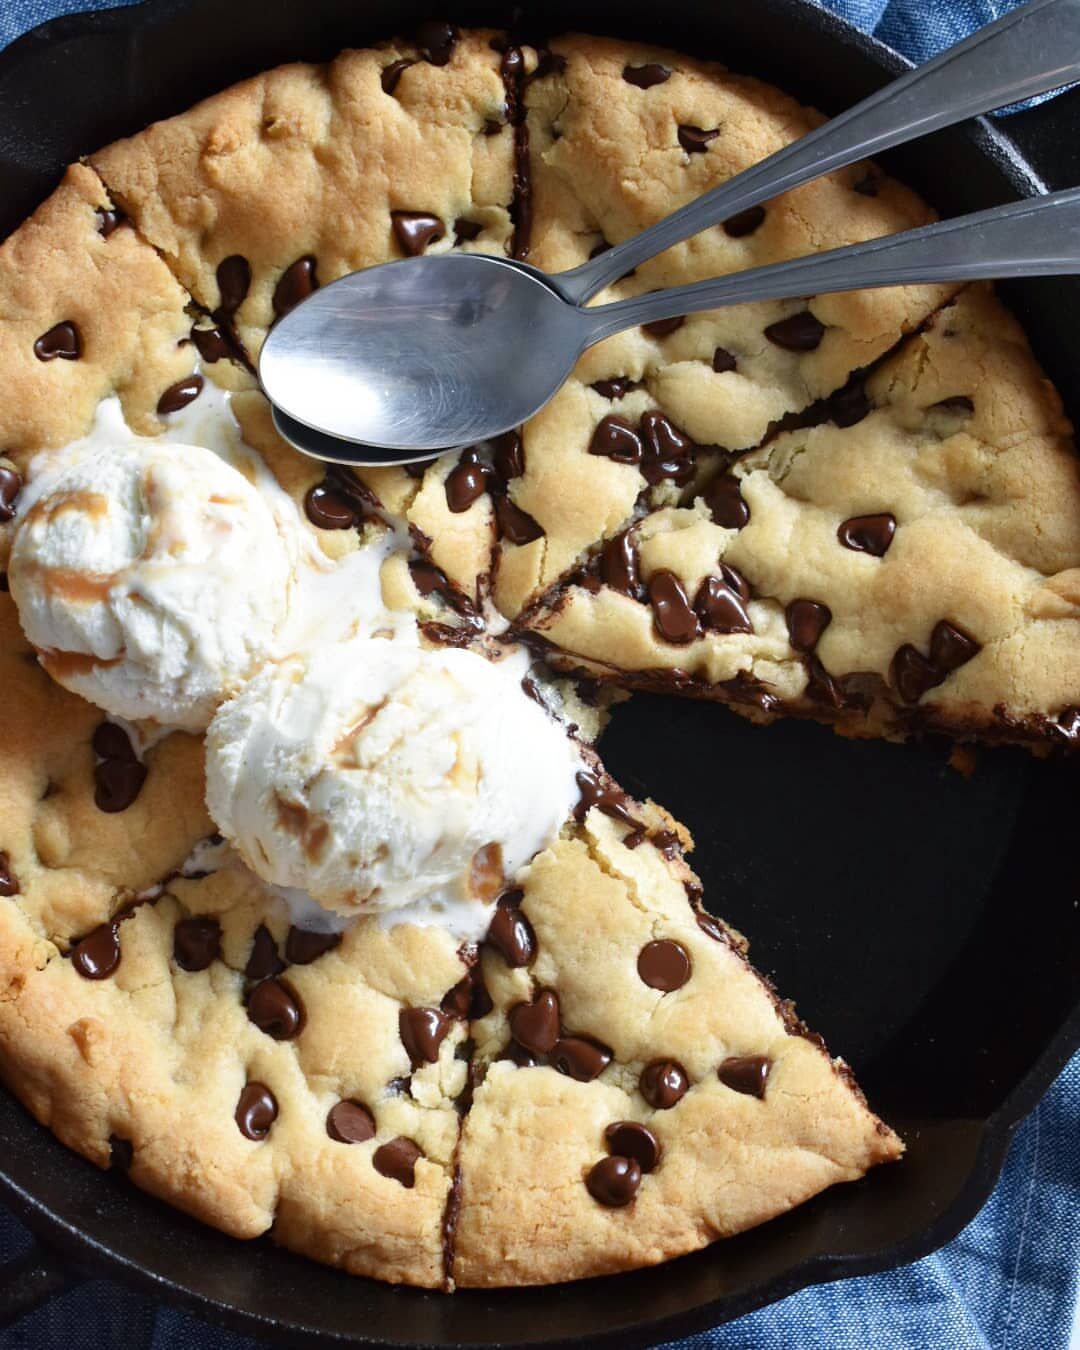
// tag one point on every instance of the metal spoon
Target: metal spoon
(396, 363)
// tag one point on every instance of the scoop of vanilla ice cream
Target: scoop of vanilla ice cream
(375, 774)
(150, 578)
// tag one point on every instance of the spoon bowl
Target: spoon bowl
(415, 356)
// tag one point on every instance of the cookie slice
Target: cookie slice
(908, 562)
(87, 310)
(619, 135)
(640, 1091)
(291, 179)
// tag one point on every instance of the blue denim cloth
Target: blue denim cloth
(1008, 1282)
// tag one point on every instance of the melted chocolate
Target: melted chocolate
(435, 40)
(806, 621)
(196, 943)
(397, 1160)
(664, 965)
(275, 1008)
(722, 361)
(619, 564)
(422, 1031)
(616, 439)
(644, 77)
(297, 282)
(392, 73)
(614, 1181)
(9, 882)
(350, 1122)
(746, 222)
(263, 960)
(97, 955)
(673, 617)
(302, 946)
(415, 230)
(663, 1083)
(724, 498)
(256, 1111)
(515, 524)
(596, 791)
(629, 1139)
(511, 933)
(581, 1057)
(868, 534)
(745, 1073)
(695, 140)
(722, 608)
(800, 332)
(535, 1025)
(467, 482)
(62, 341)
(180, 394)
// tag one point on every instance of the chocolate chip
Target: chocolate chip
(619, 564)
(275, 1008)
(10, 485)
(725, 501)
(9, 882)
(392, 73)
(535, 1025)
(746, 222)
(414, 230)
(180, 394)
(629, 1139)
(435, 40)
(256, 1111)
(661, 328)
(466, 483)
(117, 783)
(263, 960)
(512, 65)
(97, 955)
(745, 1073)
(422, 1031)
(673, 618)
(465, 231)
(121, 1153)
(850, 405)
(518, 1055)
(62, 340)
(111, 742)
(663, 1083)
(614, 1181)
(800, 332)
(596, 791)
(549, 63)
(196, 943)
(614, 389)
(212, 344)
(866, 186)
(710, 925)
(868, 534)
(806, 621)
(912, 674)
(302, 946)
(109, 220)
(668, 452)
(666, 841)
(515, 524)
(959, 403)
(427, 578)
(511, 934)
(721, 608)
(581, 1057)
(616, 439)
(722, 361)
(397, 1159)
(823, 688)
(234, 282)
(950, 647)
(695, 140)
(350, 1122)
(663, 965)
(328, 509)
(296, 283)
(508, 455)
(644, 77)
(469, 997)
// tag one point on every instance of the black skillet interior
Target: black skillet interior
(925, 923)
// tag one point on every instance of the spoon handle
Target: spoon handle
(1039, 236)
(1029, 51)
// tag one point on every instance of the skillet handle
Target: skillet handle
(32, 1279)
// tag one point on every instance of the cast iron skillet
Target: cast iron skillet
(926, 924)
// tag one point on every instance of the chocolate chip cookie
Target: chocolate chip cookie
(859, 508)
